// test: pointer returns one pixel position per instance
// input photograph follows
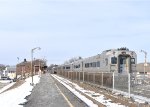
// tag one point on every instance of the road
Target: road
(3, 85)
(50, 93)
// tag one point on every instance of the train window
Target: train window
(132, 60)
(90, 64)
(94, 64)
(86, 65)
(67, 67)
(63, 67)
(113, 60)
(78, 66)
(98, 63)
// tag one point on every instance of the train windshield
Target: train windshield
(132, 60)
(122, 60)
(124, 63)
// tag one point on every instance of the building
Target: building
(11, 72)
(23, 69)
(140, 68)
(8, 73)
(1, 73)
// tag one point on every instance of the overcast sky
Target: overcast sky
(69, 28)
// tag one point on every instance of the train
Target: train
(121, 60)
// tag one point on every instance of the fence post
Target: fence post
(129, 84)
(79, 75)
(113, 81)
(102, 79)
(76, 76)
(94, 78)
(72, 75)
(82, 71)
(83, 76)
(87, 77)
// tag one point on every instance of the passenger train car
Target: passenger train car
(120, 60)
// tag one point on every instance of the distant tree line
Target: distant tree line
(2, 67)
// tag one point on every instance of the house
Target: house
(1, 74)
(11, 72)
(8, 73)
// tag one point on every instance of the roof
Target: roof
(13, 68)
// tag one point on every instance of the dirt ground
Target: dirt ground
(109, 95)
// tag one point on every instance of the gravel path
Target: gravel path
(47, 94)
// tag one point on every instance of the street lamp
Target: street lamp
(18, 59)
(39, 68)
(16, 67)
(39, 65)
(145, 63)
(32, 50)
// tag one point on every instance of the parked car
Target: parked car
(4, 78)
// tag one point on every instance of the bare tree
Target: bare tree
(2, 67)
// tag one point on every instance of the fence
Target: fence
(129, 83)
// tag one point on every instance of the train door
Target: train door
(124, 64)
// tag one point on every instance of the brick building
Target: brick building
(23, 69)
(140, 68)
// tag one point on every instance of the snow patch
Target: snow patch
(14, 97)
(5, 81)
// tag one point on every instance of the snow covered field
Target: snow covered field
(14, 97)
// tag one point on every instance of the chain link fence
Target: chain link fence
(129, 83)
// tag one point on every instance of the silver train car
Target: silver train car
(120, 60)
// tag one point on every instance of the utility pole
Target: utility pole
(145, 63)
(16, 67)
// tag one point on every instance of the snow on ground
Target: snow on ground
(5, 81)
(98, 97)
(6, 87)
(137, 98)
(14, 97)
